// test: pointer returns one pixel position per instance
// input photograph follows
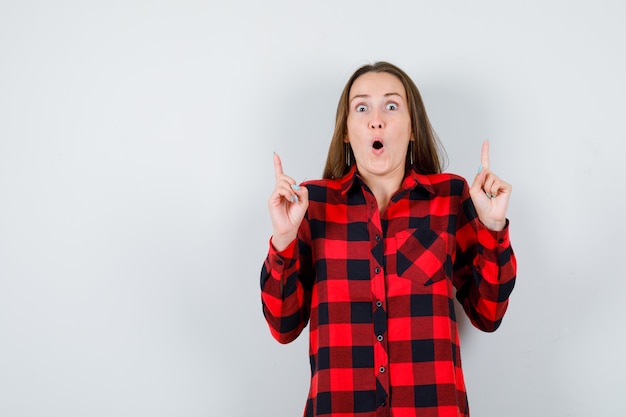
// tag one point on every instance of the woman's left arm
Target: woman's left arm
(485, 265)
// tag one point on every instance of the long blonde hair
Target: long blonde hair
(428, 153)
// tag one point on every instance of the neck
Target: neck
(384, 187)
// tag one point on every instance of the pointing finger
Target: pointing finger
(484, 158)
(278, 166)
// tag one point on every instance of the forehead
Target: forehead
(377, 84)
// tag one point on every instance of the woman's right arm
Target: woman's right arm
(286, 301)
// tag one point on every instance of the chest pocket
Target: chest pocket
(422, 256)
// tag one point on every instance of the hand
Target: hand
(287, 205)
(490, 194)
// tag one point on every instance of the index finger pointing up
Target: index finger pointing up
(278, 166)
(484, 158)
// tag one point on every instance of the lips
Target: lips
(378, 146)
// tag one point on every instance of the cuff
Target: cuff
(490, 239)
(279, 259)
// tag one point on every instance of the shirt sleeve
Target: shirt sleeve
(285, 295)
(484, 269)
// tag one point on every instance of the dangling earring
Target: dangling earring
(348, 154)
(411, 151)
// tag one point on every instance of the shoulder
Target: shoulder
(323, 183)
(444, 183)
(319, 189)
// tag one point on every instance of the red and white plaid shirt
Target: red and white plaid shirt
(377, 289)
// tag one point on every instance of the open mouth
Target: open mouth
(377, 145)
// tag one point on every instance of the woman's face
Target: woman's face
(379, 124)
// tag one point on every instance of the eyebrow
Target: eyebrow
(368, 96)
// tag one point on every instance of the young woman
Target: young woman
(372, 255)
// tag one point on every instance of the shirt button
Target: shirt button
(379, 304)
(381, 369)
(380, 338)
(377, 238)
(377, 270)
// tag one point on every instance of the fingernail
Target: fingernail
(295, 186)
(291, 199)
(480, 168)
(295, 199)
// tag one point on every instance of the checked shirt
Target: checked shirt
(377, 290)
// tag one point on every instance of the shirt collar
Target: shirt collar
(412, 179)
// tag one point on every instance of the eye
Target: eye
(361, 108)
(392, 106)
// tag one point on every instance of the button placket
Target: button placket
(377, 282)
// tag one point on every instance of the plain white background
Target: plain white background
(136, 143)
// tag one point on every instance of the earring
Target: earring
(347, 154)
(411, 151)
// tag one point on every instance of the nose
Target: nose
(377, 121)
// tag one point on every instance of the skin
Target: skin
(379, 112)
(490, 194)
(286, 212)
